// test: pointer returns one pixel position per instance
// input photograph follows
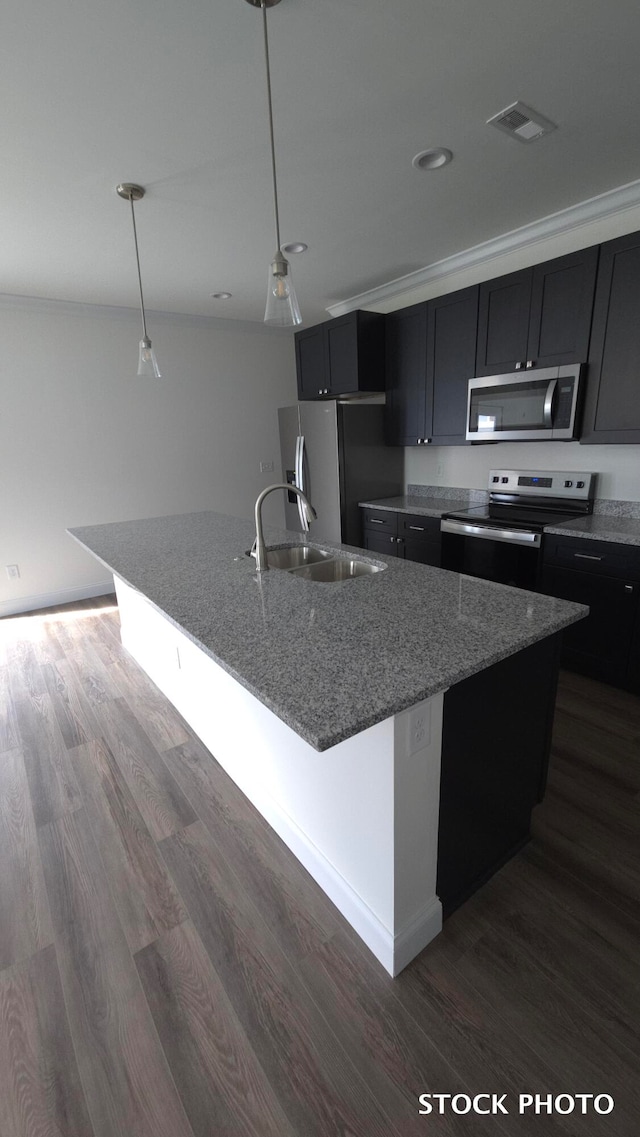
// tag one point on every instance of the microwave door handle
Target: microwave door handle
(548, 403)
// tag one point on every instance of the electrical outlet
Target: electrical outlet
(266, 467)
(419, 728)
(13, 572)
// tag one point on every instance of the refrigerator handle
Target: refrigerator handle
(304, 521)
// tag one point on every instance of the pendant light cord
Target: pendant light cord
(273, 148)
(135, 238)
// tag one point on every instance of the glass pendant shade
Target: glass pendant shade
(282, 309)
(147, 362)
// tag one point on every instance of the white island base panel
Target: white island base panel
(362, 817)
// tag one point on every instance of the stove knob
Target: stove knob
(568, 484)
(505, 479)
(495, 478)
(580, 485)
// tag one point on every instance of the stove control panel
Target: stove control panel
(573, 484)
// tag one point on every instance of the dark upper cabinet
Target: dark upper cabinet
(537, 317)
(431, 350)
(503, 323)
(409, 405)
(612, 405)
(452, 327)
(344, 356)
(561, 309)
(310, 366)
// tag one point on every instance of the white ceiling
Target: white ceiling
(171, 94)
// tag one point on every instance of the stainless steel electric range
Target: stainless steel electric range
(502, 540)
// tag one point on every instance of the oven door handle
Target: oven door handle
(547, 414)
(485, 533)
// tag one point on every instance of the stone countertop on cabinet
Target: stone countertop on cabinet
(427, 506)
(600, 527)
(329, 659)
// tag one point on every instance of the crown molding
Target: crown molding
(12, 302)
(574, 217)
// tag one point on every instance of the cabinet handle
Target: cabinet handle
(375, 521)
(530, 363)
(420, 441)
(399, 540)
(588, 557)
(628, 588)
(518, 366)
(418, 528)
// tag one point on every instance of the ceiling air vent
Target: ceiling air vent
(521, 122)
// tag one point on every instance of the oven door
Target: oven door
(504, 555)
(541, 404)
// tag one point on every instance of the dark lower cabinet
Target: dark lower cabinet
(606, 577)
(409, 536)
(495, 751)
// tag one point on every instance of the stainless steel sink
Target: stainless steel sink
(341, 568)
(295, 556)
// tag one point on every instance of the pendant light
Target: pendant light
(147, 362)
(282, 305)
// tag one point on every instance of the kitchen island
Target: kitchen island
(336, 707)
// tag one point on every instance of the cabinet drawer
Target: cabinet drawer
(603, 557)
(417, 527)
(381, 519)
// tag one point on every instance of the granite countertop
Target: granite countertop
(427, 506)
(601, 527)
(329, 659)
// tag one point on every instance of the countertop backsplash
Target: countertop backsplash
(457, 493)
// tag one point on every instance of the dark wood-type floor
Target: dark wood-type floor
(167, 969)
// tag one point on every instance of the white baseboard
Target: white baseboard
(49, 599)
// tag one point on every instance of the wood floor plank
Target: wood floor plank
(314, 1079)
(160, 800)
(224, 1088)
(8, 728)
(40, 1090)
(54, 790)
(127, 1083)
(144, 895)
(25, 922)
(395, 1054)
(577, 1047)
(65, 705)
(154, 712)
(298, 913)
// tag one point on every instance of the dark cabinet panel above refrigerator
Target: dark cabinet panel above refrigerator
(344, 356)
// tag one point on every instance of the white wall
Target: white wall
(84, 441)
(619, 466)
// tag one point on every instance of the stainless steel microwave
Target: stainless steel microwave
(525, 407)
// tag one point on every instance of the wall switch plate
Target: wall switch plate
(13, 572)
(266, 467)
(419, 727)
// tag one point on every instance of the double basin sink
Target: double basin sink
(318, 564)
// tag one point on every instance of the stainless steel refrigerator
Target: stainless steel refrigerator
(335, 452)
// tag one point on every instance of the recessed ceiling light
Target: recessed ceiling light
(221, 295)
(295, 247)
(432, 159)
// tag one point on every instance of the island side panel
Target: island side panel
(362, 817)
(495, 753)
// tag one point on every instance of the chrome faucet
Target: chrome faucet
(258, 551)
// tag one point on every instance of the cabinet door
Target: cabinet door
(452, 328)
(341, 354)
(599, 645)
(409, 403)
(561, 309)
(310, 366)
(612, 408)
(503, 323)
(377, 542)
(425, 552)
